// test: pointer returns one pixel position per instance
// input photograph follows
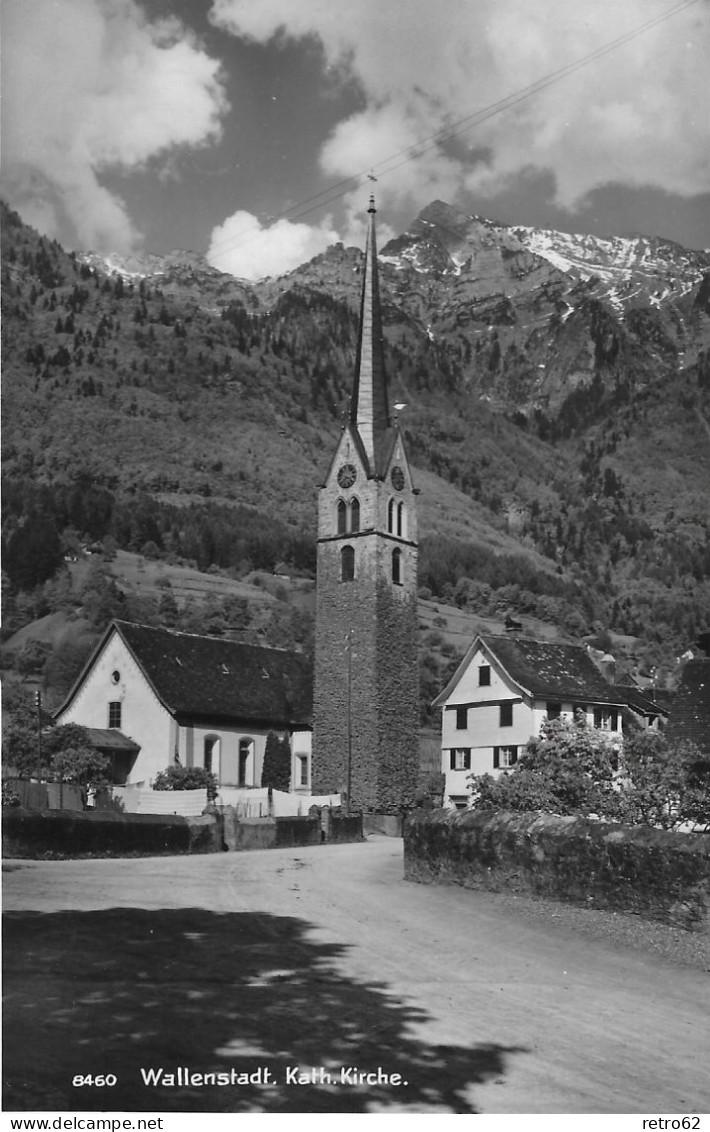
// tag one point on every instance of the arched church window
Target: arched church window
(347, 564)
(210, 753)
(397, 567)
(400, 519)
(390, 516)
(246, 762)
(355, 515)
(342, 517)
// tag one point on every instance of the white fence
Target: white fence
(143, 800)
(255, 803)
(247, 803)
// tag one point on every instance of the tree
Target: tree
(569, 768)
(33, 552)
(101, 597)
(33, 657)
(276, 771)
(83, 766)
(574, 769)
(19, 732)
(662, 785)
(73, 757)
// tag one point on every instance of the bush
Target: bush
(569, 769)
(572, 769)
(187, 778)
(10, 797)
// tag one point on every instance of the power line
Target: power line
(462, 125)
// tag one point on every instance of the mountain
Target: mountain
(556, 392)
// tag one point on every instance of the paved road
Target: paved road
(279, 968)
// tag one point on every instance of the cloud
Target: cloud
(635, 116)
(243, 247)
(92, 86)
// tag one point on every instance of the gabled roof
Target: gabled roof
(209, 678)
(690, 713)
(543, 670)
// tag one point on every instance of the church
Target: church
(366, 696)
(165, 696)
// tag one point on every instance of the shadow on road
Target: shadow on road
(114, 991)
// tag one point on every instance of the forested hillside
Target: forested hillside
(190, 417)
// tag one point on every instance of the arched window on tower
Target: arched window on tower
(355, 515)
(400, 520)
(347, 564)
(397, 567)
(390, 516)
(342, 517)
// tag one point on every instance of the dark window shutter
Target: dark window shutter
(452, 760)
(496, 757)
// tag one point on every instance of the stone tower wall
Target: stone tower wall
(377, 621)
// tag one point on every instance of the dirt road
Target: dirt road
(289, 972)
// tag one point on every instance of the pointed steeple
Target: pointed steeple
(369, 408)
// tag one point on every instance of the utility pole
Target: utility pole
(348, 779)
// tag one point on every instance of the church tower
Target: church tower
(366, 696)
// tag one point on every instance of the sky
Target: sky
(253, 131)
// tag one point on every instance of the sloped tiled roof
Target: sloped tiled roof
(690, 713)
(553, 671)
(109, 739)
(208, 678)
(638, 701)
(205, 676)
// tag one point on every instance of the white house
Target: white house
(499, 696)
(172, 697)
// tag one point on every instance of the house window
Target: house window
(347, 564)
(504, 757)
(246, 762)
(484, 676)
(506, 714)
(355, 515)
(114, 714)
(606, 719)
(554, 711)
(390, 516)
(397, 567)
(342, 517)
(461, 718)
(460, 758)
(303, 770)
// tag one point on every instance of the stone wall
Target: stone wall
(58, 833)
(654, 873)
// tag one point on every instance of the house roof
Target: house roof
(110, 740)
(210, 678)
(639, 702)
(543, 669)
(690, 713)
